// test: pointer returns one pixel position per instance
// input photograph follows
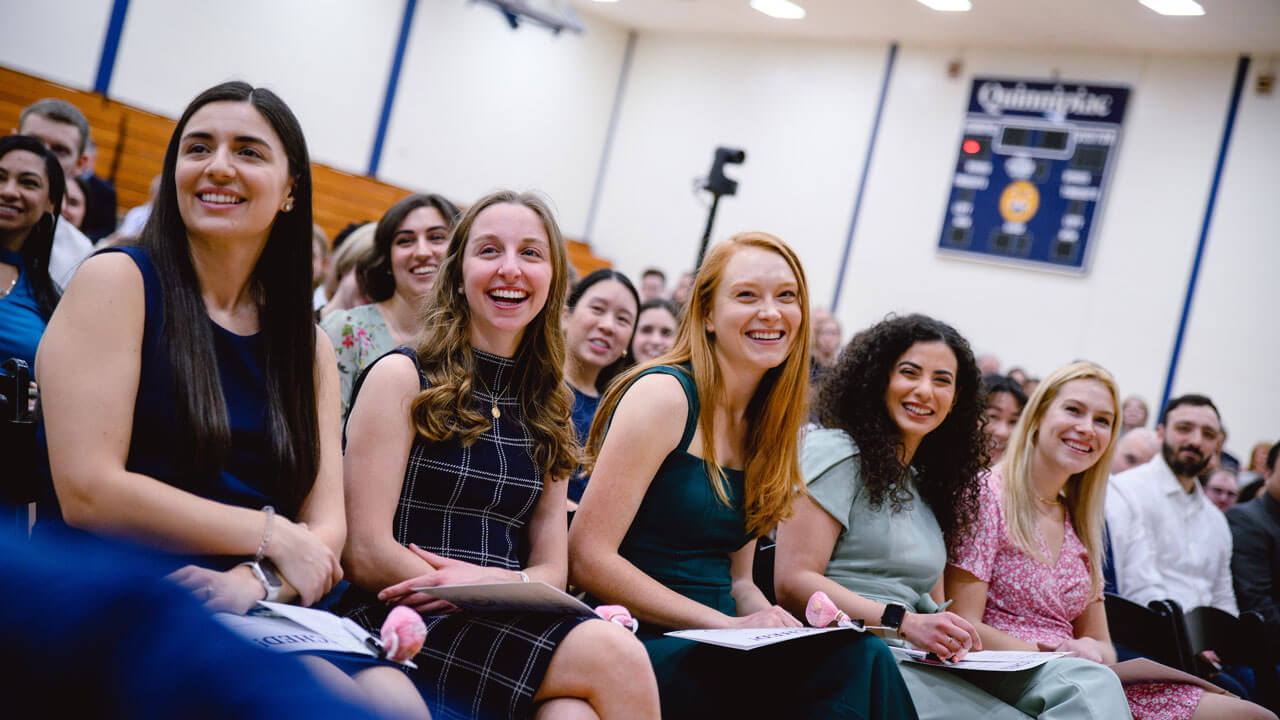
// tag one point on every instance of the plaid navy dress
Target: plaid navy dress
(474, 504)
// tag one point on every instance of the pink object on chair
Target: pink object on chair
(618, 615)
(403, 633)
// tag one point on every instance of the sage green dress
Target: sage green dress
(889, 556)
(682, 536)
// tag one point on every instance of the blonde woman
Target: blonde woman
(1029, 575)
(668, 524)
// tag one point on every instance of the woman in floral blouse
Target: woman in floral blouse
(408, 247)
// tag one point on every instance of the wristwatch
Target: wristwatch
(893, 615)
(266, 573)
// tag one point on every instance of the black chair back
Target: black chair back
(1157, 632)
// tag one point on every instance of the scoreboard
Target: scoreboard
(1032, 171)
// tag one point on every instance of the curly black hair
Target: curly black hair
(949, 459)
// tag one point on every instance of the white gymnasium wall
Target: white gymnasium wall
(482, 107)
(76, 29)
(1233, 339)
(801, 110)
(328, 59)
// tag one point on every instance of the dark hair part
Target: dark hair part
(949, 459)
(36, 248)
(1193, 400)
(59, 111)
(653, 271)
(375, 276)
(612, 370)
(994, 383)
(1272, 455)
(281, 284)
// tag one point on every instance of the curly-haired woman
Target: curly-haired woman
(892, 478)
(457, 457)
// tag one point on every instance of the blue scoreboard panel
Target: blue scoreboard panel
(1031, 173)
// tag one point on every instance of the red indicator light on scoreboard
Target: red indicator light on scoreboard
(971, 147)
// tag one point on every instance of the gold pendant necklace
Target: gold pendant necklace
(493, 406)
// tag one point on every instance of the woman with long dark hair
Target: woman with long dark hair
(599, 320)
(893, 476)
(458, 455)
(188, 404)
(408, 247)
(668, 525)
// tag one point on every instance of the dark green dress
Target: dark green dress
(682, 536)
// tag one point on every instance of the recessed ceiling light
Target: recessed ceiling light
(948, 5)
(781, 9)
(1174, 7)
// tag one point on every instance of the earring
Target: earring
(461, 290)
(288, 205)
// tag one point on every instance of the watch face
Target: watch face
(893, 615)
(269, 572)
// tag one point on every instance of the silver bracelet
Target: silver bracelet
(266, 533)
(524, 576)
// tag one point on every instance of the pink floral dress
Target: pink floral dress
(1036, 602)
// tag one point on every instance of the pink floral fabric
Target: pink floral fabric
(1037, 602)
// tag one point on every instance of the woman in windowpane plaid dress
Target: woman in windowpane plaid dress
(455, 464)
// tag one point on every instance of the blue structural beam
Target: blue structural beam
(393, 81)
(1242, 71)
(110, 46)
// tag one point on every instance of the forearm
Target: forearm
(748, 597)
(795, 589)
(144, 510)
(376, 564)
(614, 580)
(993, 639)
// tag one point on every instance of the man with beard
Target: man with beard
(1189, 536)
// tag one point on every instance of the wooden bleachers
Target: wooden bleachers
(132, 142)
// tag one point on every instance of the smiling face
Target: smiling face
(506, 275)
(232, 175)
(598, 329)
(755, 311)
(417, 249)
(655, 333)
(1002, 414)
(1076, 428)
(1190, 436)
(921, 390)
(24, 196)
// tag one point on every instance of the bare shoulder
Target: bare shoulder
(652, 412)
(394, 375)
(106, 275)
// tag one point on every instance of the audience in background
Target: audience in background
(355, 250)
(1257, 468)
(1255, 557)
(73, 207)
(211, 435)
(1030, 575)
(1134, 448)
(1188, 535)
(988, 364)
(655, 330)
(100, 196)
(319, 265)
(1222, 488)
(599, 322)
(1133, 414)
(668, 526)
(680, 294)
(653, 285)
(458, 452)
(65, 132)
(1017, 375)
(136, 218)
(825, 342)
(408, 246)
(1005, 401)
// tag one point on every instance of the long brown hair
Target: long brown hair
(776, 411)
(445, 410)
(1085, 491)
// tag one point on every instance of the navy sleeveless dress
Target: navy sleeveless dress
(474, 504)
(682, 536)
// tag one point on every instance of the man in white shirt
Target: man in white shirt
(1190, 543)
(65, 131)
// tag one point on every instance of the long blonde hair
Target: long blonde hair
(1085, 492)
(776, 411)
(445, 410)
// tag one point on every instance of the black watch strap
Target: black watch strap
(893, 615)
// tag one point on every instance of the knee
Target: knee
(611, 647)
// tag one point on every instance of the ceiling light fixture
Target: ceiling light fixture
(948, 5)
(780, 9)
(1174, 7)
